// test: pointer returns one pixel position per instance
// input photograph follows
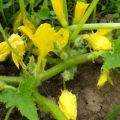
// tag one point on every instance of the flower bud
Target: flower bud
(80, 9)
(68, 104)
(59, 11)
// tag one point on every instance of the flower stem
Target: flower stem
(94, 26)
(50, 106)
(2, 11)
(84, 19)
(8, 113)
(12, 80)
(22, 7)
(67, 64)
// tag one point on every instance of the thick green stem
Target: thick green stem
(79, 59)
(50, 106)
(84, 19)
(67, 64)
(94, 26)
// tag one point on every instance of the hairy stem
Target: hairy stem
(67, 64)
(50, 106)
(79, 59)
(94, 26)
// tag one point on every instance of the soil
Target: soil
(93, 103)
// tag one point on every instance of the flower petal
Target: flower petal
(44, 37)
(103, 78)
(103, 31)
(80, 9)
(62, 37)
(4, 51)
(27, 31)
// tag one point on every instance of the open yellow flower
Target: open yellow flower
(98, 40)
(68, 104)
(45, 36)
(44, 39)
(18, 44)
(80, 9)
(58, 7)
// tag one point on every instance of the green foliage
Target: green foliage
(24, 103)
(22, 97)
(112, 59)
(42, 14)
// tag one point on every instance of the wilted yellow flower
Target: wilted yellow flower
(98, 41)
(68, 104)
(18, 44)
(80, 9)
(59, 11)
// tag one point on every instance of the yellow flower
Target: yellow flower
(104, 77)
(80, 9)
(68, 104)
(98, 41)
(18, 44)
(59, 11)
(45, 36)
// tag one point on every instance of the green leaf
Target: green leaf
(112, 58)
(44, 13)
(22, 98)
(24, 103)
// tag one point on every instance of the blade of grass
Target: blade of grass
(114, 113)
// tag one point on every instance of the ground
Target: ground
(93, 103)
